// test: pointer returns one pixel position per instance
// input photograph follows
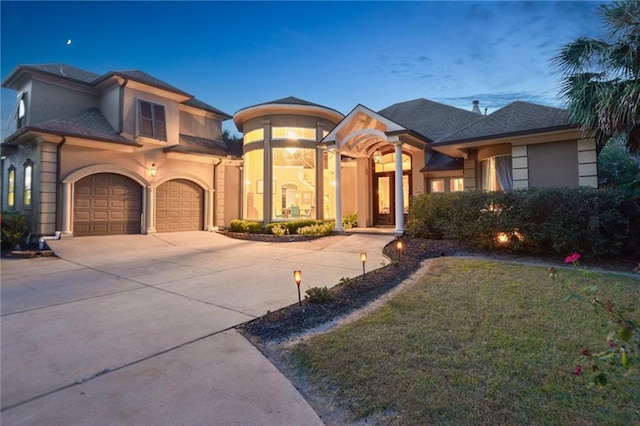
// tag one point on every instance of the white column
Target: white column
(67, 190)
(150, 220)
(211, 205)
(338, 195)
(399, 193)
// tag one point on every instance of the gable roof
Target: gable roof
(64, 71)
(516, 118)
(432, 120)
(89, 124)
(196, 145)
(143, 77)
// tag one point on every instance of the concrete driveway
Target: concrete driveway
(139, 329)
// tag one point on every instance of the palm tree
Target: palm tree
(601, 79)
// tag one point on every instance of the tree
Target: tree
(233, 141)
(601, 78)
(617, 168)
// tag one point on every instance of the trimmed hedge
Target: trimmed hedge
(307, 227)
(598, 222)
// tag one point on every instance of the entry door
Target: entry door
(384, 198)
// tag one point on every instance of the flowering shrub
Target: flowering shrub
(616, 365)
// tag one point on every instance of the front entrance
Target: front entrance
(384, 197)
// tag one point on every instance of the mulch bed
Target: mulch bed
(355, 293)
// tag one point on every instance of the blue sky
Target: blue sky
(236, 54)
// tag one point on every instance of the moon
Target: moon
(68, 42)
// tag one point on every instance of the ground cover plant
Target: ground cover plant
(474, 342)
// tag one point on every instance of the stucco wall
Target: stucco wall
(109, 104)
(553, 164)
(199, 125)
(231, 198)
(47, 101)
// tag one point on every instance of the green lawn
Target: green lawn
(474, 342)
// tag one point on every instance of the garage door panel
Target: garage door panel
(107, 203)
(179, 206)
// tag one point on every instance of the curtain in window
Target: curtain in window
(504, 172)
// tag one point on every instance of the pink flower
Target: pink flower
(578, 370)
(586, 352)
(572, 258)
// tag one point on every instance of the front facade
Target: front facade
(118, 153)
(125, 153)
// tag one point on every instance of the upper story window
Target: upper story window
(293, 133)
(497, 173)
(253, 136)
(21, 110)
(152, 120)
(11, 187)
(28, 178)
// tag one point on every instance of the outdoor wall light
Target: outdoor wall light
(363, 259)
(153, 170)
(377, 157)
(399, 248)
(297, 277)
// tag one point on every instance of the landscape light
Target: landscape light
(363, 259)
(297, 277)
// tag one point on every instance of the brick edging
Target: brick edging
(270, 238)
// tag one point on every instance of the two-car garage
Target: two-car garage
(111, 204)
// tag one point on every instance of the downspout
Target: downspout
(63, 140)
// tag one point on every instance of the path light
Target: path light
(363, 258)
(297, 277)
(399, 248)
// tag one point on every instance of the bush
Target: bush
(318, 229)
(13, 228)
(599, 222)
(318, 295)
(279, 229)
(239, 225)
(292, 226)
(350, 221)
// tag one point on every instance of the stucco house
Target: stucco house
(125, 152)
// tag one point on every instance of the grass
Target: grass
(474, 342)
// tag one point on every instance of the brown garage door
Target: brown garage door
(105, 204)
(179, 206)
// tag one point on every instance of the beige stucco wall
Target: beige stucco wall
(553, 164)
(230, 199)
(47, 101)
(109, 104)
(130, 109)
(200, 125)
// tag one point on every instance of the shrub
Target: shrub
(318, 295)
(322, 229)
(591, 221)
(278, 229)
(292, 226)
(13, 228)
(239, 225)
(350, 221)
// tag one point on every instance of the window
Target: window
(497, 174)
(437, 185)
(293, 133)
(21, 111)
(253, 185)
(388, 163)
(28, 178)
(11, 187)
(456, 184)
(294, 196)
(253, 136)
(152, 122)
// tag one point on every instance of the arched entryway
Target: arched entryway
(107, 204)
(384, 187)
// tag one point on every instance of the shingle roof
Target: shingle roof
(439, 161)
(432, 120)
(291, 100)
(65, 71)
(517, 117)
(201, 105)
(196, 145)
(145, 78)
(90, 124)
